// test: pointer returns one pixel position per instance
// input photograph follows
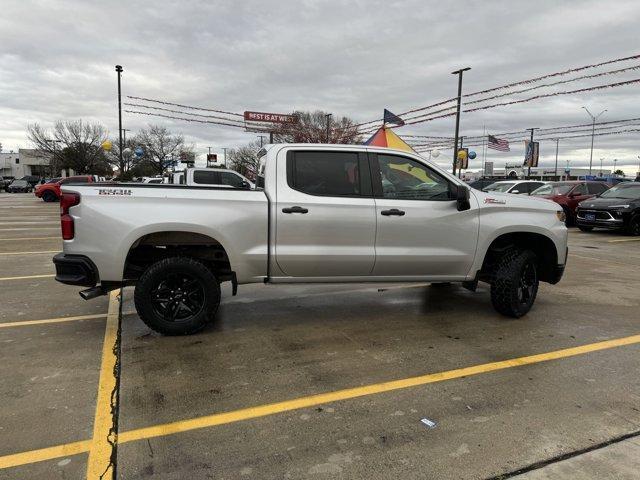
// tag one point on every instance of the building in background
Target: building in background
(27, 161)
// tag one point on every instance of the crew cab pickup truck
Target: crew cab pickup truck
(319, 213)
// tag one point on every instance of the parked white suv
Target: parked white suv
(321, 213)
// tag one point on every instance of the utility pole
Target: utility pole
(532, 151)
(455, 141)
(224, 149)
(555, 170)
(119, 72)
(328, 116)
(593, 132)
(261, 137)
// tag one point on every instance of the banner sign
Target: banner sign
(269, 117)
(532, 151)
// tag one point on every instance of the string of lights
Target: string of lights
(151, 100)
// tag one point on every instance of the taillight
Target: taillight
(67, 200)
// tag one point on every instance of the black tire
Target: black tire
(633, 228)
(585, 228)
(177, 296)
(49, 196)
(568, 217)
(515, 283)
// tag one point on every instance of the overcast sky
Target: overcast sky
(352, 58)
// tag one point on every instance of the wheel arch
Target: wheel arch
(542, 245)
(153, 245)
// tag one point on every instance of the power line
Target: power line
(184, 106)
(138, 105)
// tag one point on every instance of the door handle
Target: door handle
(295, 210)
(393, 211)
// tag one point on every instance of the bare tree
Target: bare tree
(161, 148)
(245, 159)
(311, 127)
(72, 144)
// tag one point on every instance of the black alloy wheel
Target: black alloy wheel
(178, 297)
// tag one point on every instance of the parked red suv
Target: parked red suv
(569, 194)
(50, 192)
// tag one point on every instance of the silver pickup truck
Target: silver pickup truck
(319, 213)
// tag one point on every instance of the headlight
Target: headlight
(561, 216)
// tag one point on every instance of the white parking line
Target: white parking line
(30, 253)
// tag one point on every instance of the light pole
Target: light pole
(601, 159)
(224, 149)
(261, 137)
(455, 141)
(593, 132)
(615, 163)
(119, 72)
(328, 116)
(555, 170)
(531, 146)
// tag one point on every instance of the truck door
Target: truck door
(420, 231)
(325, 214)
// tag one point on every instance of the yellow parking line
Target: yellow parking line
(30, 253)
(105, 432)
(4, 279)
(28, 238)
(637, 239)
(315, 400)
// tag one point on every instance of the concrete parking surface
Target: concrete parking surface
(320, 382)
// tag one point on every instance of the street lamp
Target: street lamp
(119, 72)
(593, 131)
(328, 116)
(455, 142)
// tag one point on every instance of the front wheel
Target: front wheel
(515, 283)
(177, 296)
(49, 196)
(634, 226)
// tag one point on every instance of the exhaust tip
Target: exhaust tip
(92, 292)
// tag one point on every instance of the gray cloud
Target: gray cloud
(352, 58)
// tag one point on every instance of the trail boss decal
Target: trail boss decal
(114, 191)
(495, 201)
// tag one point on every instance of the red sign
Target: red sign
(269, 117)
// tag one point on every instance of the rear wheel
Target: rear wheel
(585, 228)
(515, 283)
(177, 296)
(49, 196)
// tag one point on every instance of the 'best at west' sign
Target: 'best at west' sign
(268, 117)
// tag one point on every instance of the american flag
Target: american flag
(498, 144)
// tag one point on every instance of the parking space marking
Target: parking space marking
(102, 451)
(637, 239)
(315, 400)
(52, 320)
(30, 253)
(6, 279)
(29, 238)
(28, 229)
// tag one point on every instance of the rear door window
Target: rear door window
(204, 177)
(335, 174)
(596, 188)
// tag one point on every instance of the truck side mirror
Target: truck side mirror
(462, 197)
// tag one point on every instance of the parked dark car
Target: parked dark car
(569, 194)
(32, 179)
(19, 186)
(618, 209)
(5, 181)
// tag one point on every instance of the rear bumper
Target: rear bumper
(75, 270)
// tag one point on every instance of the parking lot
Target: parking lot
(333, 381)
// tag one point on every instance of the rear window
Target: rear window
(324, 173)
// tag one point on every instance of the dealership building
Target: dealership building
(26, 161)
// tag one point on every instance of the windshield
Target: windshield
(499, 187)
(55, 180)
(623, 191)
(553, 189)
(19, 183)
